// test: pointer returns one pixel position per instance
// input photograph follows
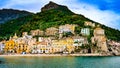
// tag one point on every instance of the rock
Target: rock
(50, 5)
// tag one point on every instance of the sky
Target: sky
(106, 12)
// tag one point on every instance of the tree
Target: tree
(67, 34)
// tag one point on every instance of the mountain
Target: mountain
(52, 5)
(52, 15)
(49, 6)
(9, 14)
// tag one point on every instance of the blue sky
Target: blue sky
(106, 12)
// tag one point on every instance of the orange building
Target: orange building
(10, 46)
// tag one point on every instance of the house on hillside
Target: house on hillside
(37, 32)
(87, 23)
(52, 31)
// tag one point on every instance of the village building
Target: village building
(37, 32)
(63, 45)
(20, 44)
(59, 45)
(70, 46)
(85, 31)
(87, 23)
(15, 37)
(67, 28)
(79, 41)
(42, 46)
(25, 43)
(10, 46)
(25, 34)
(22, 48)
(2, 45)
(52, 31)
(100, 38)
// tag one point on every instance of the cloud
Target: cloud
(105, 17)
(31, 5)
(91, 11)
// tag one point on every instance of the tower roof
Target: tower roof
(15, 36)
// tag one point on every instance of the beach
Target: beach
(96, 54)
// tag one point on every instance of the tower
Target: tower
(100, 38)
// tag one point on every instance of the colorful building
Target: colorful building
(63, 45)
(22, 48)
(59, 45)
(20, 44)
(10, 46)
(42, 46)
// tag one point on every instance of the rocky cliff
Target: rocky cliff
(50, 5)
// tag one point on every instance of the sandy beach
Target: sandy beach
(96, 54)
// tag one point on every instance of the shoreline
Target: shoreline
(47, 55)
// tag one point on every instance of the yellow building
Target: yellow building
(24, 45)
(22, 48)
(59, 45)
(63, 45)
(70, 43)
(10, 46)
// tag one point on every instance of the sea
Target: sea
(60, 62)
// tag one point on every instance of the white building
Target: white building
(1, 47)
(85, 31)
(42, 46)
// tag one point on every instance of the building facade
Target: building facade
(85, 31)
(87, 23)
(37, 32)
(1, 47)
(51, 31)
(67, 28)
(100, 39)
(10, 46)
(79, 41)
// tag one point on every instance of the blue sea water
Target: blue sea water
(60, 62)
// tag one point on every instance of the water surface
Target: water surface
(60, 62)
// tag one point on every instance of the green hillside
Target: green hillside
(52, 17)
(10, 14)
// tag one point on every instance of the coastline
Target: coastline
(47, 55)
